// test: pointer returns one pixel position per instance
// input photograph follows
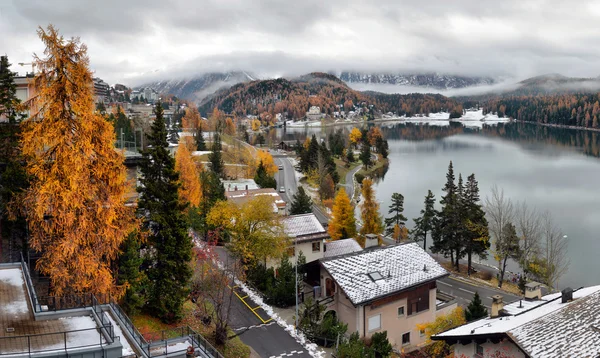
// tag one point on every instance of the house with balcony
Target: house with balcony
(391, 288)
(82, 326)
(563, 324)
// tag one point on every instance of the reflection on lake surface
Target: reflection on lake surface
(552, 169)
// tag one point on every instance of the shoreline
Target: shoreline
(561, 126)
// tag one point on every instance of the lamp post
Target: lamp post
(296, 288)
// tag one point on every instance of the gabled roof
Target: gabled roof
(546, 327)
(302, 225)
(368, 275)
(341, 247)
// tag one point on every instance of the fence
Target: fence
(169, 343)
(57, 342)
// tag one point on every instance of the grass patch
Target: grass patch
(153, 329)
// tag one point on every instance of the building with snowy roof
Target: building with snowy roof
(81, 326)
(241, 196)
(341, 247)
(308, 236)
(564, 324)
(391, 288)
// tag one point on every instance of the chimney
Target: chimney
(371, 240)
(533, 291)
(497, 306)
(567, 295)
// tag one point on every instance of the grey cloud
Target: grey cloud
(138, 39)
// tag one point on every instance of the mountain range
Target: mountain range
(430, 80)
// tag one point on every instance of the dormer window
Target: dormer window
(375, 276)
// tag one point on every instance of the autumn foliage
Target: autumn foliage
(75, 205)
(342, 225)
(190, 190)
(369, 210)
(442, 323)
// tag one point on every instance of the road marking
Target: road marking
(254, 326)
(292, 353)
(244, 297)
(462, 289)
(250, 308)
(255, 308)
(444, 283)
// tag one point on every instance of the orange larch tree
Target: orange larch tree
(75, 205)
(369, 209)
(190, 190)
(343, 224)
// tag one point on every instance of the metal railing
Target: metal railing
(128, 325)
(170, 338)
(56, 342)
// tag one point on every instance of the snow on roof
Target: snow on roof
(301, 225)
(569, 332)
(548, 320)
(341, 247)
(400, 267)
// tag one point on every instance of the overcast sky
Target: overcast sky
(132, 40)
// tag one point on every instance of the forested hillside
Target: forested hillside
(294, 97)
(581, 109)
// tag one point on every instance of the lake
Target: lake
(550, 168)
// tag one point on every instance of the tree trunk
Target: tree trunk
(502, 271)
(425, 241)
(451, 258)
(469, 255)
(457, 260)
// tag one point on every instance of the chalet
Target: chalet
(563, 324)
(390, 288)
(308, 236)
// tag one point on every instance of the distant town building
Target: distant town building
(314, 113)
(101, 90)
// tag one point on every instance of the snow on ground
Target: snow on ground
(171, 348)
(312, 348)
(14, 277)
(198, 153)
(118, 332)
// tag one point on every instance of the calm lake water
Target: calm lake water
(551, 169)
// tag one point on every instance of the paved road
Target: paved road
(287, 179)
(267, 340)
(349, 186)
(464, 292)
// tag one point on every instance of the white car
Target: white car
(282, 190)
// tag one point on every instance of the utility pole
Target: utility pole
(296, 254)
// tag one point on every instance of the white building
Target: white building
(563, 324)
(308, 236)
(314, 113)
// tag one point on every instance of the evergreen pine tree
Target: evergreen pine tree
(200, 145)
(263, 179)
(476, 236)
(163, 216)
(447, 226)
(426, 222)
(365, 154)
(215, 157)
(301, 203)
(396, 209)
(350, 155)
(475, 310)
(9, 103)
(129, 274)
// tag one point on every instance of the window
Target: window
(422, 332)
(375, 276)
(374, 323)
(401, 311)
(406, 338)
(316, 246)
(478, 350)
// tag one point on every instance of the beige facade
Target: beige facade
(390, 314)
(488, 350)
